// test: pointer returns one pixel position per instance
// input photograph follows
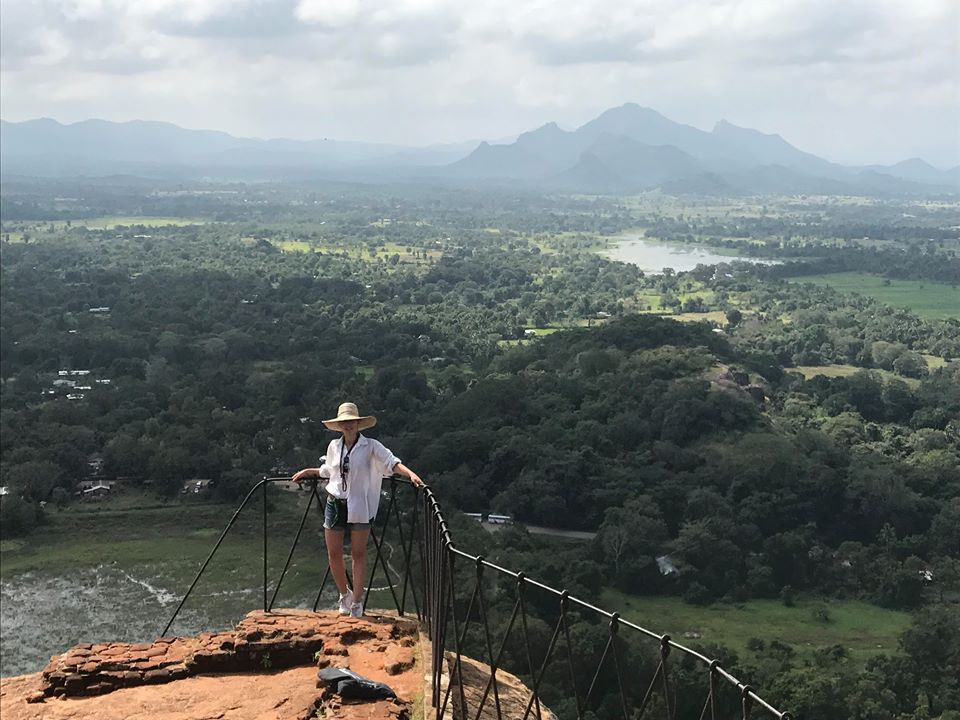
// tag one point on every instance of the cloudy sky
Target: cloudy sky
(856, 81)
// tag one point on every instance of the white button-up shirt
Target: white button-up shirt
(370, 462)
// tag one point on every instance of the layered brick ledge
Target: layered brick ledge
(261, 641)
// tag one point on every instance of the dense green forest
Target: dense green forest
(520, 371)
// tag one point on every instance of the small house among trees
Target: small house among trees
(196, 486)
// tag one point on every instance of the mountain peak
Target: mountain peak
(915, 163)
(651, 128)
(727, 128)
(41, 122)
(769, 149)
(548, 143)
(550, 129)
(633, 110)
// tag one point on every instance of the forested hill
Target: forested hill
(644, 428)
(555, 431)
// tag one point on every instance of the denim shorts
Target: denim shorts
(335, 516)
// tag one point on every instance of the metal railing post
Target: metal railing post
(265, 545)
(206, 562)
(293, 547)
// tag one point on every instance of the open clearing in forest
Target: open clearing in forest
(834, 371)
(114, 221)
(933, 361)
(715, 316)
(360, 251)
(864, 630)
(293, 246)
(107, 222)
(931, 300)
(135, 527)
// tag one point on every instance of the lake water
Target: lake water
(652, 256)
(43, 614)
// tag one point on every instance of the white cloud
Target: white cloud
(884, 75)
(328, 13)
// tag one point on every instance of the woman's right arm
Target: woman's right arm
(301, 475)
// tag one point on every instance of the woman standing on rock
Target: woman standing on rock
(355, 466)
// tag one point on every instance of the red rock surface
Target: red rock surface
(196, 677)
(277, 695)
(509, 702)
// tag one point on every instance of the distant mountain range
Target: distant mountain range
(46, 147)
(631, 148)
(626, 149)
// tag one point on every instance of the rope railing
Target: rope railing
(506, 646)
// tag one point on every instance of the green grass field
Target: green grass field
(172, 540)
(830, 371)
(293, 246)
(715, 316)
(934, 301)
(105, 222)
(365, 371)
(356, 250)
(863, 629)
(114, 221)
(834, 371)
(129, 530)
(934, 362)
(539, 332)
(651, 299)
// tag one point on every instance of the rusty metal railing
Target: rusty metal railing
(493, 630)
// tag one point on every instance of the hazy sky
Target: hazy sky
(856, 81)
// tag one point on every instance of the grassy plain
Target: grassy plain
(16, 232)
(532, 332)
(830, 371)
(133, 529)
(169, 542)
(863, 629)
(934, 301)
(357, 251)
(110, 222)
(715, 316)
(834, 371)
(293, 246)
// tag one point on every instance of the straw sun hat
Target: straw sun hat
(348, 411)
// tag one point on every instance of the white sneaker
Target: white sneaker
(346, 602)
(356, 609)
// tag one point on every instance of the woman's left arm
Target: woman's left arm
(402, 469)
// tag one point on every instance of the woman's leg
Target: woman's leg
(334, 540)
(358, 554)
